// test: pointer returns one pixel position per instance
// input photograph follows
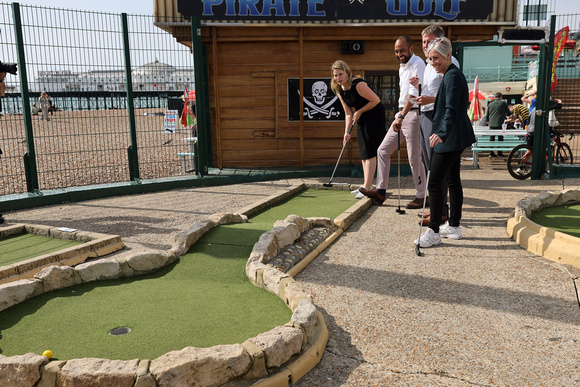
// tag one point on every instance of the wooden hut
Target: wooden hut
(266, 60)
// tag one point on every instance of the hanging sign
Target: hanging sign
(532, 69)
(170, 121)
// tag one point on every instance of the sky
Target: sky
(145, 7)
(566, 7)
(135, 7)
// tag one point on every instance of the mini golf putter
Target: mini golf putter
(329, 184)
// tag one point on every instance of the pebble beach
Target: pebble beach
(80, 148)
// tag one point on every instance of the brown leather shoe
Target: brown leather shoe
(417, 203)
(427, 220)
(374, 194)
(425, 214)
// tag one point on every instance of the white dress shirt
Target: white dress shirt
(431, 82)
(414, 67)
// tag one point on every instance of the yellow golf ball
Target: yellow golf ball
(48, 354)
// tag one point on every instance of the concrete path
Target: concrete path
(477, 311)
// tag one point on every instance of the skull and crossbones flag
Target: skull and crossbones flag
(319, 102)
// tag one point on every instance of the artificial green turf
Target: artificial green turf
(20, 247)
(565, 219)
(202, 300)
(309, 203)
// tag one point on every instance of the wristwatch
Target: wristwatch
(401, 116)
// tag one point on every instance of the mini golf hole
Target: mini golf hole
(120, 331)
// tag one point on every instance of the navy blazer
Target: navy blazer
(450, 119)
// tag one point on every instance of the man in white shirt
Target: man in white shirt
(407, 122)
(431, 82)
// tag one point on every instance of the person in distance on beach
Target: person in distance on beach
(44, 104)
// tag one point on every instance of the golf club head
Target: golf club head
(417, 251)
(399, 211)
(327, 185)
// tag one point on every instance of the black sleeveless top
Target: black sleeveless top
(353, 99)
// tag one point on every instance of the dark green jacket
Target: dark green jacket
(497, 111)
(450, 120)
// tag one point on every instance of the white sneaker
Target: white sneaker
(428, 239)
(355, 192)
(446, 231)
(359, 195)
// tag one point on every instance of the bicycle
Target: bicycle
(519, 161)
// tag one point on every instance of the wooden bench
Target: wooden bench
(511, 139)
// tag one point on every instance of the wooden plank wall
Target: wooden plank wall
(249, 68)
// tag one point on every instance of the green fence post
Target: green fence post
(458, 51)
(29, 159)
(548, 96)
(208, 153)
(541, 146)
(201, 96)
(132, 149)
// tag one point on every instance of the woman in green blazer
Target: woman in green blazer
(452, 133)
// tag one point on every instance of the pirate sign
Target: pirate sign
(319, 102)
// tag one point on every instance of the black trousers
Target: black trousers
(445, 168)
(499, 138)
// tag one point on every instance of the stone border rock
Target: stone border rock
(291, 255)
(94, 245)
(540, 240)
(278, 357)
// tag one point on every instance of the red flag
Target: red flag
(184, 113)
(560, 38)
(475, 110)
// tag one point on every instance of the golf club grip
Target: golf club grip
(399, 145)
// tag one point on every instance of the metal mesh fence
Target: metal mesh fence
(79, 59)
(153, 49)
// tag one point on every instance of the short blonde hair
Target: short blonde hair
(441, 45)
(339, 65)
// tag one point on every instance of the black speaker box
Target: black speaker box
(353, 47)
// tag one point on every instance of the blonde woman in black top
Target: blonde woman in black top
(363, 108)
